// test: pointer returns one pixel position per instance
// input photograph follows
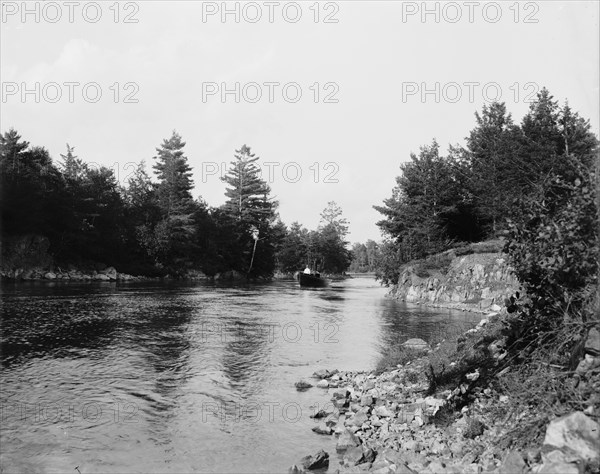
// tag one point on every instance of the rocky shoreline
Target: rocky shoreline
(395, 423)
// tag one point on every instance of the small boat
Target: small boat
(312, 280)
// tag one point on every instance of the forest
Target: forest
(156, 227)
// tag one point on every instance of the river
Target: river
(184, 377)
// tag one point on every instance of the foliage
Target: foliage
(469, 195)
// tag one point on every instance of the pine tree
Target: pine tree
(332, 215)
(248, 194)
(174, 175)
(494, 168)
(171, 238)
(73, 168)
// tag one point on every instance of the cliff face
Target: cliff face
(474, 282)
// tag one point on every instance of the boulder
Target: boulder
(383, 411)
(366, 400)
(577, 433)
(340, 394)
(295, 470)
(558, 462)
(302, 385)
(323, 383)
(416, 344)
(101, 277)
(50, 276)
(321, 374)
(353, 455)
(513, 464)
(320, 414)
(346, 441)
(317, 461)
(323, 429)
(359, 418)
(110, 272)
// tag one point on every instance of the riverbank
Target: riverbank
(462, 406)
(473, 278)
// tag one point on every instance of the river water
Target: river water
(172, 377)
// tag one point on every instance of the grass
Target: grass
(397, 355)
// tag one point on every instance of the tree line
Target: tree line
(502, 183)
(156, 227)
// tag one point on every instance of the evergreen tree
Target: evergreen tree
(170, 241)
(248, 194)
(174, 176)
(332, 214)
(253, 211)
(494, 168)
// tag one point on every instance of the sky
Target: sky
(332, 96)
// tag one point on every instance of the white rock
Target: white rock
(578, 433)
(323, 383)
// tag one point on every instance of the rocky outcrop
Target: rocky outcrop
(476, 282)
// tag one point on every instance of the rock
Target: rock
(50, 276)
(366, 400)
(101, 277)
(321, 374)
(359, 418)
(411, 445)
(353, 455)
(588, 363)
(110, 272)
(340, 394)
(321, 414)
(383, 411)
(513, 464)
(557, 462)
(302, 385)
(295, 470)
(318, 461)
(578, 433)
(473, 376)
(416, 344)
(495, 307)
(323, 383)
(592, 344)
(346, 441)
(323, 429)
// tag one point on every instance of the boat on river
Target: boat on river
(312, 280)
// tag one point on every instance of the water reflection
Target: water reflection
(164, 377)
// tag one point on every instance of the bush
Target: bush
(553, 248)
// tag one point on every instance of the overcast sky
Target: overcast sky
(360, 67)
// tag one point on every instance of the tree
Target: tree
(332, 215)
(171, 239)
(174, 176)
(248, 194)
(252, 210)
(292, 254)
(491, 154)
(422, 203)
